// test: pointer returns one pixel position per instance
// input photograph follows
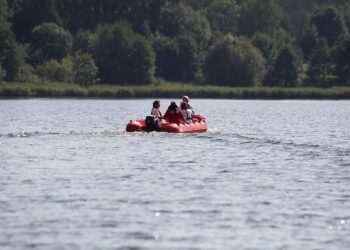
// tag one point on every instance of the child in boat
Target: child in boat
(174, 114)
(186, 112)
(186, 99)
(155, 110)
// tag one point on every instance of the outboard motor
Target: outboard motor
(152, 124)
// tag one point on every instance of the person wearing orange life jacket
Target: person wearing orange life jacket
(174, 114)
(187, 112)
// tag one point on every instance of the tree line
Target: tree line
(284, 43)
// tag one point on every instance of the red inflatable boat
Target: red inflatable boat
(197, 126)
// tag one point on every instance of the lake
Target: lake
(267, 175)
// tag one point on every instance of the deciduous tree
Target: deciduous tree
(177, 59)
(343, 63)
(329, 23)
(11, 55)
(286, 69)
(320, 64)
(268, 46)
(3, 11)
(234, 62)
(167, 51)
(188, 58)
(2, 73)
(84, 69)
(115, 54)
(260, 16)
(183, 20)
(55, 71)
(50, 42)
(142, 61)
(84, 41)
(32, 13)
(223, 16)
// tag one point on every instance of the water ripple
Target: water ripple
(266, 175)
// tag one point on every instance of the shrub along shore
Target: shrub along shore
(168, 90)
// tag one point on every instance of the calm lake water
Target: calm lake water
(267, 175)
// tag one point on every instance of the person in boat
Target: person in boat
(186, 99)
(174, 114)
(187, 112)
(155, 110)
(153, 122)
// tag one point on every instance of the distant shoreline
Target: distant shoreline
(168, 90)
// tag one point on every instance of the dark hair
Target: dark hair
(184, 105)
(173, 106)
(155, 103)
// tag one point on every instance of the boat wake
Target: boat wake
(220, 135)
(85, 133)
(211, 134)
(24, 134)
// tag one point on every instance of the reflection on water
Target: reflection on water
(267, 175)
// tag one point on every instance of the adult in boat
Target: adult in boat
(174, 114)
(186, 99)
(155, 110)
(186, 112)
(153, 122)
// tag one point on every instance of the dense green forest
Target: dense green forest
(236, 43)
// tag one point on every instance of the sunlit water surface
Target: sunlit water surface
(267, 175)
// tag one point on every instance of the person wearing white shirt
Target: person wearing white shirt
(187, 112)
(155, 110)
(186, 99)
